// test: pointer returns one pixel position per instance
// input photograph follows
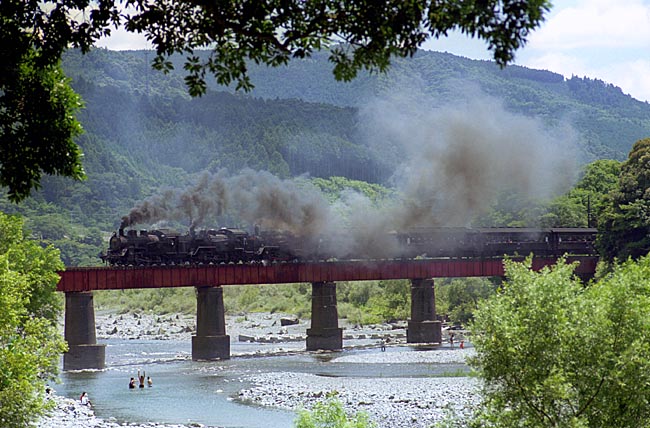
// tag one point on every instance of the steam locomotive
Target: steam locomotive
(227, 245)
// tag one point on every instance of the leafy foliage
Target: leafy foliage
(554, 353)
(30, 345)
(37, 125)
(582, 205)
(359, 34)
(459, 298)
(37, 107)
(626, 213)
(334, 187)
(331, 414)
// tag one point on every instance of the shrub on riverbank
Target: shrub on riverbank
(331, 414)
(555, 352)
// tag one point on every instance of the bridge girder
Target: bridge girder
(118, 278)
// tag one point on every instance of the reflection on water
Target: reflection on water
(185, 391)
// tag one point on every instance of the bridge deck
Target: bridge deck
(113, 278)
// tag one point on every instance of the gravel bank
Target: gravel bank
(255, 327)
(390, 402)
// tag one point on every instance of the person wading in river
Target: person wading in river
(141, 378)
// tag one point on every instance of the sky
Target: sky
(600, 39)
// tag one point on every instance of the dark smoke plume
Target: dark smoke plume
(254, 197)
(456, 160)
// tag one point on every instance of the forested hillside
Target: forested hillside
(144, 133)
(607, 120)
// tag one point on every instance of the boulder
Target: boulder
(246, 338)
(289, 321)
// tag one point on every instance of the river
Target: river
(264, 383)
(210, 393)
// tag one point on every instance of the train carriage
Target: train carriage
(577, 241)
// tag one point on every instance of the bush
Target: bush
(552, 352)
(330, 414)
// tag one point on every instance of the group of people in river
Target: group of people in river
(141, 380)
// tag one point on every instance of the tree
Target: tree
(359, 33)
(554, 353)
(581, 206)
(459, 298)
(37, 125)
(37, 106)
(625, 224)
(30, 345)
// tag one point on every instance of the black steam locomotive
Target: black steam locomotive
(226, 245)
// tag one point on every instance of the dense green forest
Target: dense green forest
(607, 120)
(143, 133)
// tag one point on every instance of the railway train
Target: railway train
(228, 245)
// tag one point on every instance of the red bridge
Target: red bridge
(211, 341)
(119, 278)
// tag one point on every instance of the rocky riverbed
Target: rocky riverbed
(252, 328)
(390, 402)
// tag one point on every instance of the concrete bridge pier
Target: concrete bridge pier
(211, 341)
(324, 333)
(79, 331)
(423, 327)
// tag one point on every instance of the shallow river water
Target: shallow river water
(187, 392)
